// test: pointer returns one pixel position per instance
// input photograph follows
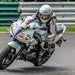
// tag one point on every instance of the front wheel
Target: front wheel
(7, 56)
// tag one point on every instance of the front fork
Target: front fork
(15, 45)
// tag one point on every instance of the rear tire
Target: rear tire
(7, 56)
(45, 57)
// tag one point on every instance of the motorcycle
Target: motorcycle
(24, 47)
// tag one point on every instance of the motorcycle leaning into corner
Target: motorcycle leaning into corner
(24, 47)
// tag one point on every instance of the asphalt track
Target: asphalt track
(62, 61)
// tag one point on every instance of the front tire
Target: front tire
(7, 56)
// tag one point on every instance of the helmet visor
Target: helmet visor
(44, 17)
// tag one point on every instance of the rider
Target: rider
(44, 18)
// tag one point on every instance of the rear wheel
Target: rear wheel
(7, 56)
(42, 57)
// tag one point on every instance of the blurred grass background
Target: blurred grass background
(4, 28)
(70, 28)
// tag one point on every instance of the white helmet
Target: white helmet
(45, 12)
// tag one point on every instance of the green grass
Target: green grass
(4, 28)
(70, 28)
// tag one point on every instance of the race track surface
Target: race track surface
(62, 61)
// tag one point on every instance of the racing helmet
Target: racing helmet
(45, 13)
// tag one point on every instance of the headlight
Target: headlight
(23, 36)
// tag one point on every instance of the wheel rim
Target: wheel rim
(44, 57)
